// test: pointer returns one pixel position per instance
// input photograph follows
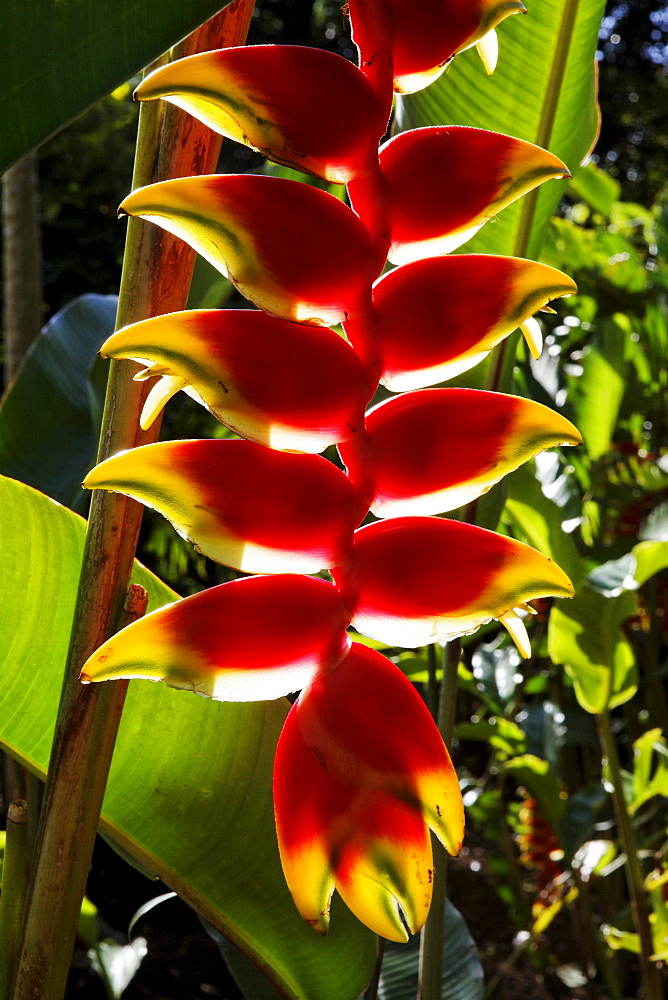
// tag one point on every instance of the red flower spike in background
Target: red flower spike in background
(293, 250)
(284, 385)
(302, 107)
(422, 42)
(361, 771)
(416, 580)
(436, 449)
(439, 317)
(446, 181)
(248, 640)
(257, 510)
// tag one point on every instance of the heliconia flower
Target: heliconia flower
(257, 510)
(457, 309)
(293, 250)
(303, 107)
(248, 640)
(446, 181)
(361, 772)
(416, 580)
(422, 42)
(436, 449)
(284, 385)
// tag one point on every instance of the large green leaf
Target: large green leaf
(462, 972)
(536, 520)
(49, 416)
(585, 635)
(597, 393)
(543, 91)
(60, 56)
(189, 792)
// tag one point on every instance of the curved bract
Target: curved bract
(446, 181)
(257, 510)
(293, 250)
(440, 316)
(305, 108)
(422, 42)
(436, 449)
(284, 385)
(361, 772)
(211, 643)
(415, 580)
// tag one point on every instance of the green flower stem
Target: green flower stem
(639, 900)
(14, 878)
(432, 937)
(156, 278)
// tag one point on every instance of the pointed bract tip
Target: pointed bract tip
(85, 679)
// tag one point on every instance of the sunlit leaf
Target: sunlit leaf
(171, 747)
(585, 636)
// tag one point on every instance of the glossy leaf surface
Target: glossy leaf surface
(445, 182)
(354, 792)
(586, 637)
(415, 580)
(48, 416)
(438, 317)
(463, 975)
(302, 107)
(548, 54)
(185, 770)
(437, 449)
(284, 385)
(56, 65)
(293, 250)
(212, 642)
(257, 510)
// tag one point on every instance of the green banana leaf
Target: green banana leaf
(543, 91)
(189, 794)
(60, 56)
(50, 416)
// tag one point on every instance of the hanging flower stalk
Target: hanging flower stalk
(362, 773)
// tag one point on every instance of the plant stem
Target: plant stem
(156, 277)
(14, 877)
(431, 941)
(639, 901)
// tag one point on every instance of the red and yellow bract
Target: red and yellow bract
(361, 771)
(355, 791)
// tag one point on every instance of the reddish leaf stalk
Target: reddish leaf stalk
(156, 279)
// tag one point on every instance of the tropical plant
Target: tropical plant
(355, 791)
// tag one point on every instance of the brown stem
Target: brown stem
(156, 278)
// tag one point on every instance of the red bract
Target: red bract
(419, 43)
(440, 316)
(303, 107)
(295, 251)
(355, 790)
(248, 640)
(415, 580)
(284, 385)
(257, 510)
(437, 449)
(445, 182)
